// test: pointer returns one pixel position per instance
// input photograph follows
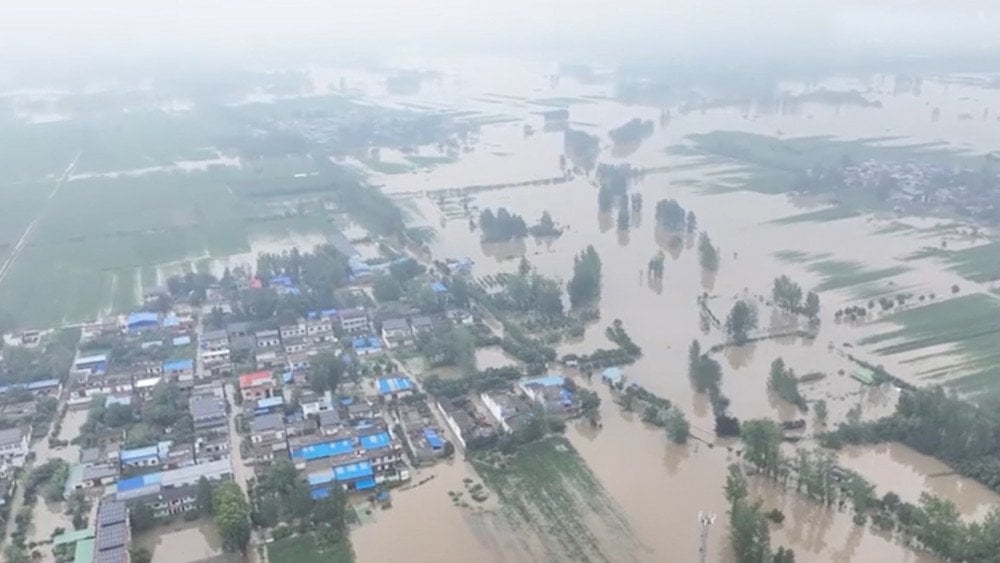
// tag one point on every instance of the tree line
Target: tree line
(787, 295)
(503, 226)
(632, 131)
(657, 411)
(933, 524)
(783, 382)
(706, 374)
(749, 534)
(966, 436)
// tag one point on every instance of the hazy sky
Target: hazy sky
(52, 31)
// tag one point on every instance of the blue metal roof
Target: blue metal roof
(317, 494)
(138, 453)
(139, 482)
(95, 359)
(178, 365)
(182, 340)
(321, 477)
(270, 402)
(363, 342)
(566, 397)
(43, 384)
(438, 287)
(283, 281)
(613, 375)
(433, 439)
(548, 381)
(352, 471)
(113, 400)
(374, 441)
(388, 385)
(365, 484)
(325, 449)
(171, 320)
(142, 318)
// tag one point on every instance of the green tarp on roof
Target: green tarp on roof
(84, 551)
(72, 537)
(863, 375)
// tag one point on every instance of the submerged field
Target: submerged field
(956, 341)
(545, 488)
(305, 549)
(106, 203)
(100, 242)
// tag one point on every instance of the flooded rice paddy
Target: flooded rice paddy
(849, 258)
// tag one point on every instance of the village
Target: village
(913, 187)
(186, 392)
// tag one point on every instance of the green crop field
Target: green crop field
(428, 161)
(979, 263)
(305, 549)
(840, 274)
(798, 256)
(101, 239)
(548, 489)
(819, 216)
(964, 334)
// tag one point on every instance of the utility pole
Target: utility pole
(706, 519)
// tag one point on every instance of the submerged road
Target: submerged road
(26, 235)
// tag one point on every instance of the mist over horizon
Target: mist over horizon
(63, 38)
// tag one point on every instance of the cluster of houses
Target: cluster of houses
(923, 185)
(287, 347)
(478, 419)
(344, 442)
(162, 475)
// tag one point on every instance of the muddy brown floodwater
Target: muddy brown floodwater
(182, 542)
(662, 487)
(47, 516)
(425, 525)
(906, 472)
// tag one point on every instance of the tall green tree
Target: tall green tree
(741, 321)
(708, 254)
(325, 372)
(762, 440)
(670, 215)
(585, 287)
(232, 515)
(786, 294)
(204, 499)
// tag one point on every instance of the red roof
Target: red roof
(251, 379)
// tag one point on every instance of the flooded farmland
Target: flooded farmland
(850, 260)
